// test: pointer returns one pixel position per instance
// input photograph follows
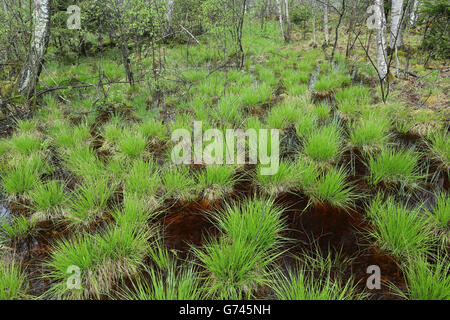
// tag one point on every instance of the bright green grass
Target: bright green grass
(229, 109)
(112, 132)
(90, 200)
(24, 175)
(353, 96)
(425, 281)
(19, 228)
(82, 161)
(13, 284)
(440, 212)
(25, 144)
(216, 181)
(255, 95)
(142, 179)
(306, 124)
(65, 136)
(322, 111)
(394, 166)
(332, 81)
(398, 228)
(178, 183)
(439, 145)
(27, 125)
(284, 115)
(256, 221)
(284, 180)
(135, 212)
(153, 129)
(104, 259)
(303, 285)
(48, 197)
(309, 173)
(177, 283)
(324, 145)
(333, 188)
(234, 269)
(371, 133)
(237, 263)
(132, 144)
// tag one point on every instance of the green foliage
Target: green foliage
(332, 188)
(12, 282)
(303, 285)
(216, 181)
(436, 14)
(324, 145)
(47, 197)
(103, 260)
(392, 166)
(178, 283)
(427, 281)
(398, 228)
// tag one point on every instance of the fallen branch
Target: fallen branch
(192, 36)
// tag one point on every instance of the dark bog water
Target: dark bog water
(187, 224)
(334, 230)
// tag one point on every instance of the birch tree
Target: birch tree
(169, 12)
(38, 45)
(280, 17)
(325, 23)
(288, 20)
(313, 9)
(395, 39)
(381, 40)
(413, 15)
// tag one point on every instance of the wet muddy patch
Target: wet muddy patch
(333, 231)
(187, 224)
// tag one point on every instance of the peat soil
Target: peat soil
(333, 231)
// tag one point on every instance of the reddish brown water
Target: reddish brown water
(187, 224)
(335, 230)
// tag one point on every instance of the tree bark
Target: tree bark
(413, 16)
(280, 17)
(39, 42)
(395, 39)
(313, 8)
(381, 40)
(288, 20)
(169, 12)
(325, 24)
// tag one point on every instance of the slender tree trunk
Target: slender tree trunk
(313, 8)
(413, 16)
(325, 24)
(288, 20)
(39, 41)
(381, 40)
(169, 12)
(280, 17)
(395, 39)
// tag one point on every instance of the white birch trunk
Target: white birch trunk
(381, 40)
(288, 20)
(395, 38)
(325, 24)
(39, 41)
(313, 8)
(169, 12)
(413, 16)
(280, 17)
